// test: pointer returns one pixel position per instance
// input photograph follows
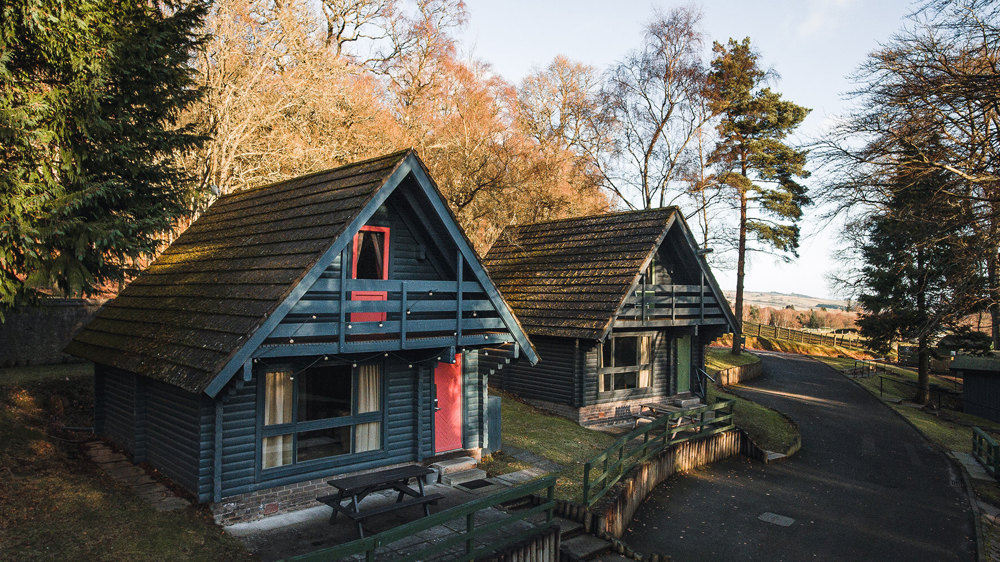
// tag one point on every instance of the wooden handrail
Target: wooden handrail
(612, 469)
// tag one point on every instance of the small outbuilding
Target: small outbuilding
(980, 384)
(319, 326)
(621, 306)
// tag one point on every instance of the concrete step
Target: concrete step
(687, 402)
(583, 547)
(567, 528)
(459, 464)
(612, 557)
(453, 478)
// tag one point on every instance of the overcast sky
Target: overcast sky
(812, 44)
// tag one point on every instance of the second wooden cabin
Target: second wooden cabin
(619, 306)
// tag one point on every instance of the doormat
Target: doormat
(475, 484)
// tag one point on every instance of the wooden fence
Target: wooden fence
(986, 450)
(606, 469)
(775, 332)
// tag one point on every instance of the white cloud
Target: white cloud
(823, 16)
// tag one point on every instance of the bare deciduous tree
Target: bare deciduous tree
(653, 100)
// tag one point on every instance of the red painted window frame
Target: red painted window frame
(355, 253)
(370, 295)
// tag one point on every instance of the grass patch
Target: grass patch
(718, 358)
(57, 506)
(557, 439)
(26, 375)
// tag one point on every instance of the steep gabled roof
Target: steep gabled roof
(193, 315)
(569, 277)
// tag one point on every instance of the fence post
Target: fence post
(470, 528)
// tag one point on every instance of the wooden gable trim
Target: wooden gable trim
(710, 279)
(339, 244)
(410, 164)
(450, 223)
(638, 274)
(706, 272)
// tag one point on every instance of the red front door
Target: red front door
(448, 417)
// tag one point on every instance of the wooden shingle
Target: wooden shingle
(568, 277)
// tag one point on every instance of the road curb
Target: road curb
(967, 484)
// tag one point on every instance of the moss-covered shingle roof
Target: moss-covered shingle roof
(186, 315)
(569, 277)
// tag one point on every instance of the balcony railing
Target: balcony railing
(670, 305)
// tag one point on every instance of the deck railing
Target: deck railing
(606, 469)
(670, 305)
(986, 450)
(369, 545)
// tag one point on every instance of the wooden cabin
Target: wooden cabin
(620, 306)
(319, 326)
(980, 376)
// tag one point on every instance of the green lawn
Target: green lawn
(557, 439)
(57, 506)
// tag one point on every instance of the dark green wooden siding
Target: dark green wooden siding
(552, 379)
(177, 440)
(114, 406)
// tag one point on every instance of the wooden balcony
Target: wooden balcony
(414, 315)
(653, 306)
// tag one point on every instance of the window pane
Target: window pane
(368, 437)
(607, 382)
(323, 443)
(325, 393)
(625, 380)
(369, 388)
(626, 351)
(277, 451)
(370, 255)
(277, 397)
(606, 353)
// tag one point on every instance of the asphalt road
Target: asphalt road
(864, 486)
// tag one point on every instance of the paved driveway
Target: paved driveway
(864, 486)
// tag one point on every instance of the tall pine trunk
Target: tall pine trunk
(923, 371)
(923, 356)
(993, 278)
(740, 269)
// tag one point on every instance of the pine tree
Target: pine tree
(917, 275)
(90, 96)
(751, 158)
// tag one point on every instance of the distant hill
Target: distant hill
(781, 300)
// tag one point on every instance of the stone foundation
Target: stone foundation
(263, 503)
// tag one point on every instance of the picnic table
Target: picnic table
(354, 489)
(652, 410)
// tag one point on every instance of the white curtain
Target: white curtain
(368, 435)
(645, 362)
(277, 409)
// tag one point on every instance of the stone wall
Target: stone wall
(36, 335)
(742, 373)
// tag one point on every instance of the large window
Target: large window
(626, 363)
(320, 413)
